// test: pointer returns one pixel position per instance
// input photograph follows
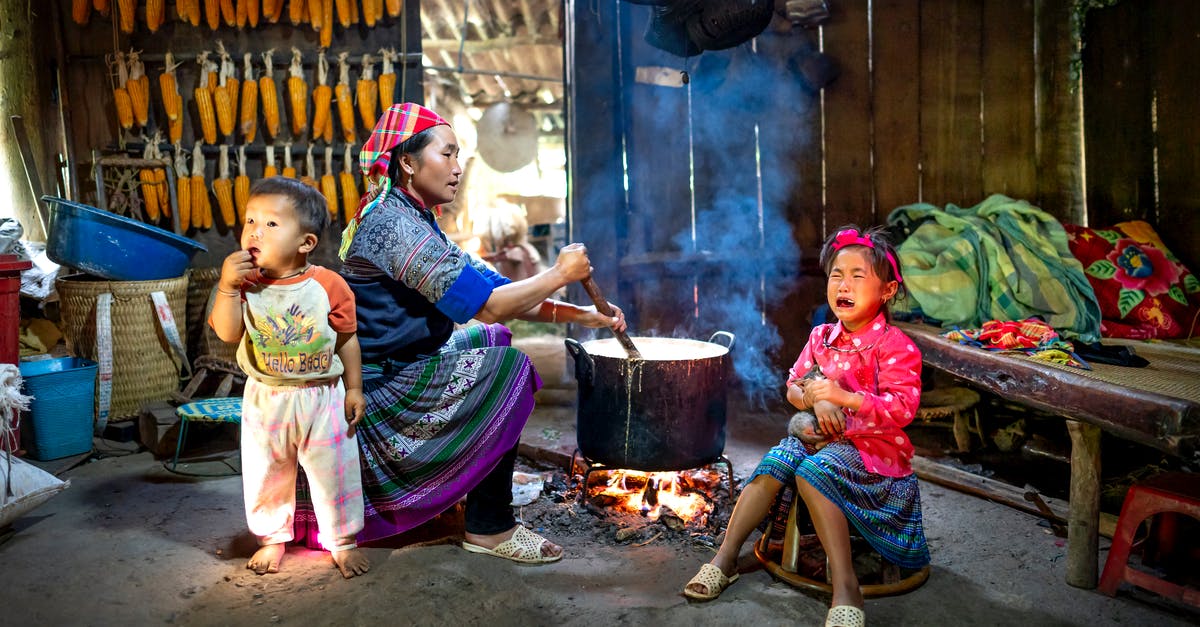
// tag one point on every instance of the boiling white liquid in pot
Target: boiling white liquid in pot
(656, 349)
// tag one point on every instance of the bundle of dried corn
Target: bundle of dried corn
(297, 94)
(249, 108)
(228, 13)
(183, 186)
(201, 206)
(289, 171)
(138, 87)
(345, 15)
(225, 96)
(148, 181)
(222, 188)
(247, 13)
(212, 13)
(329, 184)
(368, 92)
(372, 11)
(121, 93)
(387, 79)
(310, 175)
(204, 102)
(297, 11)
(350, 195)
(269, 168)
(168, 86)
(268, 95)
(241, 187)
(127, 15)
(322, 95)
(156, 14)
(272, 10)
(188, 11)
(345, 102)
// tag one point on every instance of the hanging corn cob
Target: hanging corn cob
(147, 179)
(310, 167)
(368, 92)
(212, 13)
(228, 13)
(387, 79)
(160, 177)
(395, 7)
(272, 10)
(353, 11)
(268, 96)
(371, 12)
(102, 6)
(168, 85)
(269, 168)
(316, 14)
(223, 189)
(81, 10)
(126, 15)
(326, 23)
(201, 207)
(329, 184)
(156, 14)
(121, 94)
(344, 14)
(188, 11)
(322, 94)
(247, 13)
(204, 107)
(138, 87)
(249, 108)
(350, 194)
(297, 94)
(241, 187)
(288, 170)
(345, 102)
(210, 73)
(183, 186)
(296, 11)
(226, 93)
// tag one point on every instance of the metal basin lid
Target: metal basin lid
(657, 349)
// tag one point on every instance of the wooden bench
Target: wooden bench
(1158, 406)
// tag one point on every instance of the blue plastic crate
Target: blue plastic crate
(60, 418)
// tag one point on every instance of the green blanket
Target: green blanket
(1002, 259)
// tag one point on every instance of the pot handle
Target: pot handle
(585, 366)
(723, 334)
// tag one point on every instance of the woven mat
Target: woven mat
(1174, 369)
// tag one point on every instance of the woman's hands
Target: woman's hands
(573, 263)
(594, 319)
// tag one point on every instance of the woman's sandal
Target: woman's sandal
(524, 546)
(713, 580)
(846, 616)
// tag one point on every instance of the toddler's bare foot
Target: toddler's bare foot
(266, 559)
(351, 562)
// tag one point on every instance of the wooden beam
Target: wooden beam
(491, 45)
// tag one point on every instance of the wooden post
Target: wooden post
(1083, 519)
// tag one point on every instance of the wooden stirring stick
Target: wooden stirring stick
(598, 299)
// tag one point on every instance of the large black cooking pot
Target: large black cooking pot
(665, 411)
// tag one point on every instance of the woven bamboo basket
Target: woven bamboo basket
(144, 365)
(203, 341)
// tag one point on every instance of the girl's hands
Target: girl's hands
(826, 398)
(237, 265)
(356, 407)
(830, 417)
(595, 320)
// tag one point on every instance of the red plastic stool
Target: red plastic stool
(1167, 494)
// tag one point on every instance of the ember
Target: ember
(685, 495)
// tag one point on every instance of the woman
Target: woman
(445, 407)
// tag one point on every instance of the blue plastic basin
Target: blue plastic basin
(114, 247)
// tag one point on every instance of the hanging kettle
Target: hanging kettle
(721, 24)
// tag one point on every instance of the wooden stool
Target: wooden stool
(212, 411)
(789, 564)
(1166, 495)
(952, 402)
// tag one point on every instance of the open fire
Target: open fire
(687, 495)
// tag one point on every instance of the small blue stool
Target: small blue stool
(212, 410)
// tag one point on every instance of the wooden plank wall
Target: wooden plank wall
(937, 101)
(1141, 107)
(92, 119)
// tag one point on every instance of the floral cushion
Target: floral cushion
(1144, 291)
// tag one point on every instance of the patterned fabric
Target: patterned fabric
(1143, 289)
(398, 123)
(886, 511)
(227, 409)
(434, 428)
(1002, 259)
(1031, 336)
(283, 427)
(880, 362)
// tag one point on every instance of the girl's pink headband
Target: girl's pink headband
(850, 237)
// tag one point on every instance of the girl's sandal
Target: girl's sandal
(713, 580)
(846, 616)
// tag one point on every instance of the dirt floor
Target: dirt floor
(131, 544)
